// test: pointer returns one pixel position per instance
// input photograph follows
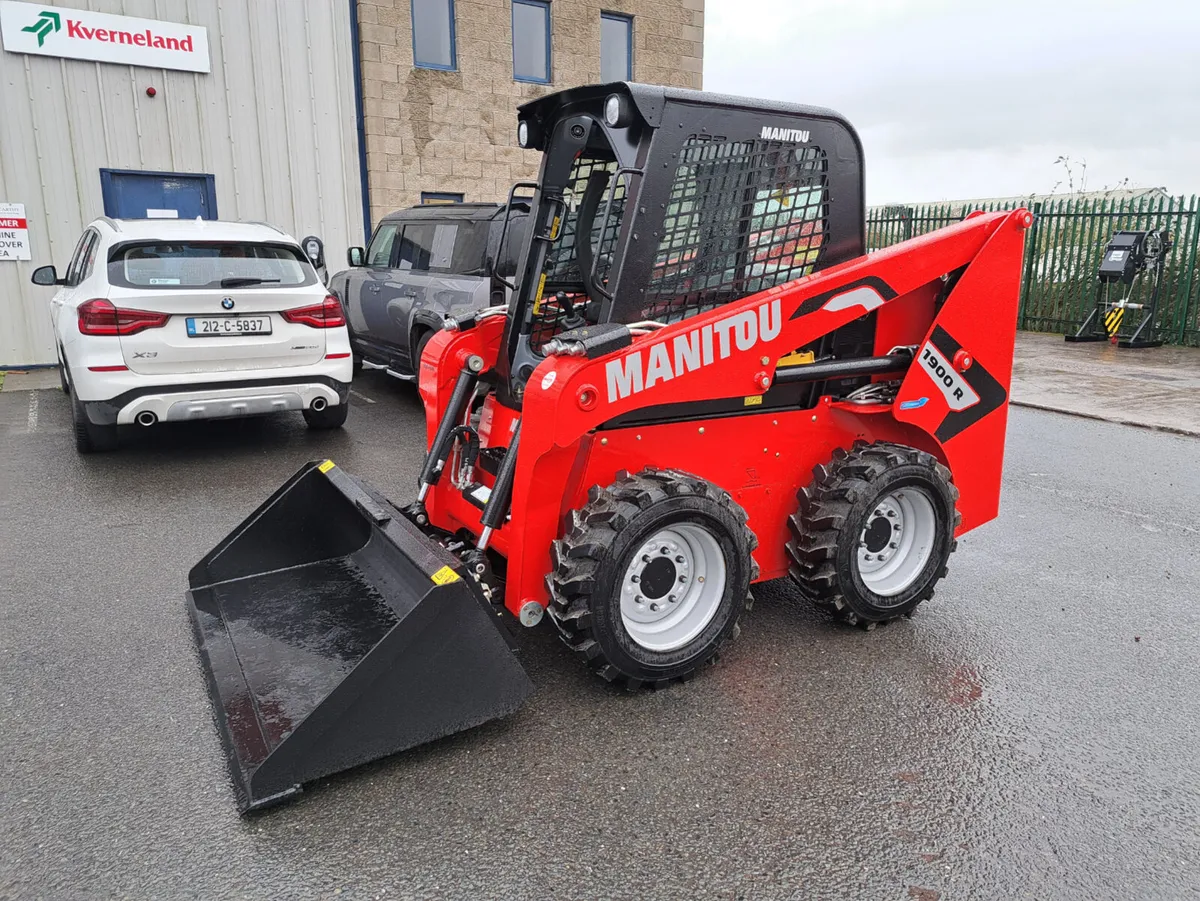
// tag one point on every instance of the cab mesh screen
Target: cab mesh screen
(742, 216)
(562, 262)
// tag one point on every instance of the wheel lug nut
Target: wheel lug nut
(654, 607)
(892, 514)
(672, 598)
(637, 599)
(682, 579)
(636, 579)
(665, 549)
(679, 558)
(893, 545)
(645, 558)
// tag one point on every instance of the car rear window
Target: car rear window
(208, 264)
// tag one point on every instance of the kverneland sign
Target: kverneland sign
(79, 34)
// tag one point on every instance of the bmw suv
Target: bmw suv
(166, 320)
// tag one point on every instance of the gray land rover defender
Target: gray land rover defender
(423, 264)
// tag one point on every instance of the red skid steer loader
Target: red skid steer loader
(701, 381)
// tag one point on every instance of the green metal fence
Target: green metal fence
(1063, 251)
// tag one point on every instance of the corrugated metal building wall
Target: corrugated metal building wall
(274, 122)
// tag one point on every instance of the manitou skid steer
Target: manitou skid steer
(701, 381)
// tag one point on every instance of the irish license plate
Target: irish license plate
(225, 326)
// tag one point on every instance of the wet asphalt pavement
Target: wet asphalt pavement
(1031, 733)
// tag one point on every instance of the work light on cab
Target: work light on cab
(614, 111)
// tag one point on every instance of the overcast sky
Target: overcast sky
(976, 98)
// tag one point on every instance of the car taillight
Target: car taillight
(100, 317)
(327, 314)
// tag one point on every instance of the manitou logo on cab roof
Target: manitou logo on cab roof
(693, 350)
(794, 135)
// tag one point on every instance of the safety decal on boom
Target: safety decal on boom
(866, 293)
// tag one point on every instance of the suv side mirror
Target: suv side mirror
(314, 249)
(356, 256)
(46, 276)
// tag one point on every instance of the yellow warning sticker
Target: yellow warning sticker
(537, 301)
(1112, 321)
(326, 466)
(554, 228)
(752, 401)
(444, 576)
(797, 358)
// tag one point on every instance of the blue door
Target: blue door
(129, 194)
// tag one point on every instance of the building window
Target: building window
(616, 47)
(531, 40)
(435, 197)
(433, 34)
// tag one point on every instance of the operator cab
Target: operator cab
(762, 193)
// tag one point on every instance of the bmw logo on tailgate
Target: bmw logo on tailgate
(227, 303)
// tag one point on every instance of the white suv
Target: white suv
(165, 320)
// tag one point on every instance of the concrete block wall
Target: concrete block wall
(430, 130)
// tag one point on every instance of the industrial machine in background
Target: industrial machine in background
(1128, 256)
(699, 382)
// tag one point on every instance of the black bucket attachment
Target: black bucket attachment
(333, 632)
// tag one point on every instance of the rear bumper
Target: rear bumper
(217, 400)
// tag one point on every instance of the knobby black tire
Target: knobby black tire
(590, 560)
(831, 513)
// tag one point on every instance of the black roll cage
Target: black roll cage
(647, 147)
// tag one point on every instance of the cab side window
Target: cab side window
(379, 254)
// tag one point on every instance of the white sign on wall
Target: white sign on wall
(14, 232)
(79, 34)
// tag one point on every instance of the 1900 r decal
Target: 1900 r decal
(959, 395)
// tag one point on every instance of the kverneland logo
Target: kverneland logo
(48, 22)
(45, 23)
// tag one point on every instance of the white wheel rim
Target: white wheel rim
(672, 587)
(897, 541)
